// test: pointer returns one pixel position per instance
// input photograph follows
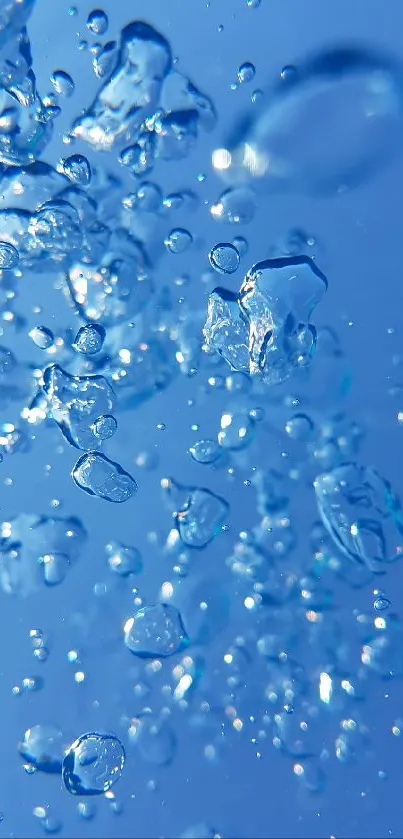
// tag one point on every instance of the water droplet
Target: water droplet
(155, 631)
(62, 83)
(381, 603)
(43, 746)
(77, 169)
(93, 764)
(199, 513)
(224, 258)
(9, 256)
(246, 72)
(178, 241)
(89, 339)
(97, 475)
(97, 22)
(42, 337)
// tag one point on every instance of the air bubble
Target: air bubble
(178, 241)
(155, 631)
(89, 339)
(246, 72)
(62, 83)
(97, 22)
(9, 257)
(42, 337)
(224, 258)
(93, 764)
(77, 169)
(97, 475)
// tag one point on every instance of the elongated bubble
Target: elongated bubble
(333, 122)
(76, 402)
(97, 475)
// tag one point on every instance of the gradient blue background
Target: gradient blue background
(359, 236)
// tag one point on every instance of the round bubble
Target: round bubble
(178, 241)
(92, 764)
(246, 72)
(43, 747)
(9, 256)
(155, 631)
(224, 258)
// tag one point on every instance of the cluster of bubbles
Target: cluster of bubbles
(258, 357)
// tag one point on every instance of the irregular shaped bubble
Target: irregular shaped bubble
(237, 430)
(271, 315)
(28, 543)
(77, 169)
(115, 289)
(226, 329)
(205, 451)
(246, 72)
(153, 738)
(76, 402)
(9, 256)
(140, 157)
(42, 337)
(97, 21)
(155, 631)
(131, 93)
(89, 339)
(175, 134)
(93, 764)
(26, 127)
(236, 205)
(43, 746)
(123, 559)
(198, 512)
(55, 229)
(14, 15)
(62, 83)
(178, 240)
(97, 475)
(104, 61)
(179, 94)
(224, 258)
(361, 513)
(297, 139)
(104, 427)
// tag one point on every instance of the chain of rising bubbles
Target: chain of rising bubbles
(255, 346)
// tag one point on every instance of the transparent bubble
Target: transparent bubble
(93, 764)
(89, 339)
(153, 738)
(241, 245)
(266, 329)
(77, 169)
(246, 72)
(237, 430)
(42, 337)
(123, 559)
(105, 427)
(97, 22)
(55, 229)
(297, 141)
(361, 513)
(43, 746)
(25, 542)
(300, 427)
(205, 451)
(97, 475)
(199, 513)
(104, 60)
(76, 402)
(131, 92)
(178, 241)
(381, 602)
(9, 256)
(224, 258)
(155, 631)
(236, 205)
(62, 83)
